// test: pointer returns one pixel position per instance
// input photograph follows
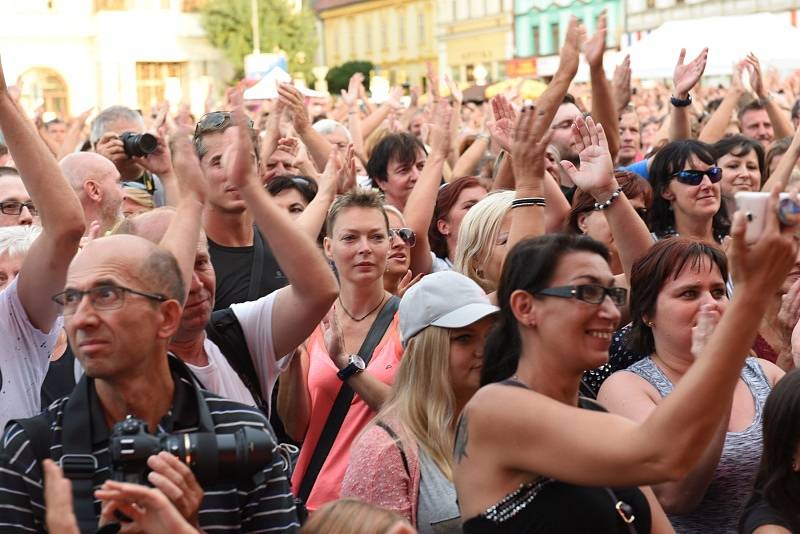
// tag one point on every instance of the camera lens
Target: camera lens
(139, 145)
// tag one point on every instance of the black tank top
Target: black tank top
(548, 506)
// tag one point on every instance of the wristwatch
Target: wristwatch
(354, 366)
(680, 103)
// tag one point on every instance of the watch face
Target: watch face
(358, 361)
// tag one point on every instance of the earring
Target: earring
(794, 467)
(651, 324)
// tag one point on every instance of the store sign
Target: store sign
(521, 68)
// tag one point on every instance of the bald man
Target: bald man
(96, 181)
(121, 306)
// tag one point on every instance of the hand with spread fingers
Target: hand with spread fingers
(149, 509)
(621, 83)
(595, 46)
(502, 128)
(596, 173)
(291, 98)
(186, 164)
(686, 75)
(531, 137)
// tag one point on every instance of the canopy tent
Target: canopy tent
(267, 87)
(729, 39)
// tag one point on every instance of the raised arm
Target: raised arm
(596, 177)
(604, 107)
(422, 200)
(621, 83)
(318, 147)
(783, 172)
(781, 124)
(597, 449)
(714, 130)
(350, 98)
(44, 270)
(376, 117)
(684, 78)
(312, 288)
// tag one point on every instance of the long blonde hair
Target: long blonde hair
(422, 396)
(477, 234)
(352, 516)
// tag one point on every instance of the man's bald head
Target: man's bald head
(143, 262)
(96, 181)
(152, 225)
(79, 167)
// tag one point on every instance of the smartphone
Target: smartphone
(754, 206)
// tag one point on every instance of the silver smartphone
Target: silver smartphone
(754, 206)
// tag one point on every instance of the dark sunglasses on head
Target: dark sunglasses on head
(214, 121)
(591, 293)
(406, 234)
(694, 177)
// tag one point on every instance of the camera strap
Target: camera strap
(344, 398)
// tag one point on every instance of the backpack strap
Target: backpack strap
(226, 332)
(37, 429)
(344, 398)
(396, 438)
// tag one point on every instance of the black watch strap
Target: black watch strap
(348, 371)
(680, 103)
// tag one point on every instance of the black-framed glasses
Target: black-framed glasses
(12, 207)
(214, 121)
(106, 297)
(406, 234)
(694, 177)
(591, 293)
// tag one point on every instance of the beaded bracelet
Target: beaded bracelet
(604, 205)
(531, 201)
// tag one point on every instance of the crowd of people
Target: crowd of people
(421, 315)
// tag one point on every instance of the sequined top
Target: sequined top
(545, 506)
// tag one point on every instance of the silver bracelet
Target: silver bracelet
(604, 205)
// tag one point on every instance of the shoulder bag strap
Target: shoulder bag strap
(396, 439)
(37, 429)
(342, 403)
(257, 269)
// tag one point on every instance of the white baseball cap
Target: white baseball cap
(447, 299)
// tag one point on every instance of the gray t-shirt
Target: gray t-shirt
(437, 509)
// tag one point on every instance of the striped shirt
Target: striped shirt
(263, 503)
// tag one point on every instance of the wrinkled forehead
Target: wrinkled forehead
(117, 258)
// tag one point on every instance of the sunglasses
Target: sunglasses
(591, 293)
(406, 234)
(214, 121)
(693, 177)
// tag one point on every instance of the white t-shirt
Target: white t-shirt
(219, 377)
(24, 357)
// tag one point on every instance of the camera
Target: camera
(138, 144)
(211, 457)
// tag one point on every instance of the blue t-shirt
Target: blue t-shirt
(640, 168)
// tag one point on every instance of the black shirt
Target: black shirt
(237, 276)
(758, 513)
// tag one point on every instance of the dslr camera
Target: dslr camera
(138, 144)
(211, 457)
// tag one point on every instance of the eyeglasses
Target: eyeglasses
(406, 234)
(694, 177)
(101, 298)
(591, 293)
(15, 208)
(214, 121)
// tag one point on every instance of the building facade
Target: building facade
(540, 27)
(396, 35)
(72, 55)
(645, 15)
(474, 34)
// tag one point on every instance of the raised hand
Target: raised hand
(350, 97)
(789, 313)
(456, 93)
(756, 77)
(707, 320)
(406, 282)
(596, 174)
(595, 46)
(621, 83)
(686, 76)
(439, 131)
(238, 159)
(394, 98)
(531, 137)
(502, 129)
(334, 340)
(571, 51)
(291, 98)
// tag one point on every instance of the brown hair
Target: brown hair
(445, 200)
(632, 185)
(355, 198)
(666, 258)
(351, 516)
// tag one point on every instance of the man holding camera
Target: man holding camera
(142, 161)
(122, 304)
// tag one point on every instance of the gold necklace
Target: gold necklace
(358, 320)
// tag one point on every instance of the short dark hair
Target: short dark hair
(739, 145)
(529, 266)
(632, 185)
(305, 185)
(666, 258)
(161, 269)
(667, 161)
(776, 479)
(778, 148)
(754, 105)
(8, 171)
(402, 147)
(568, 99)
(3, 149)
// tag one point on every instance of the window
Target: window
(353, 44)
(555, 37)
(421, 27)
(45, 87)
(537, 47)
(367, 34)
(401, 28)
(153, 80)
(384, 33)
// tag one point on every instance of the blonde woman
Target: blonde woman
(351, 516)
(403, 460)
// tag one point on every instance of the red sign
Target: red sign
(521, 68)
